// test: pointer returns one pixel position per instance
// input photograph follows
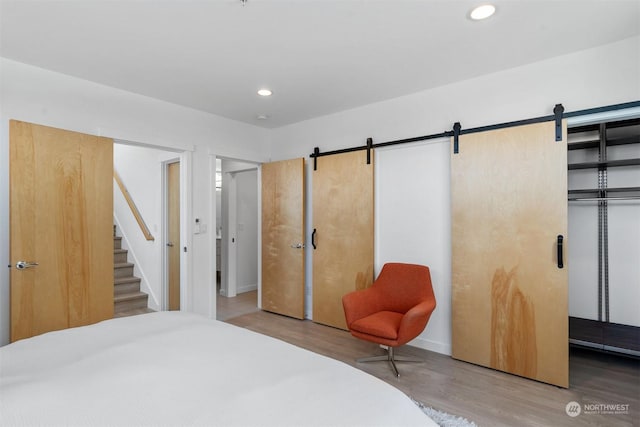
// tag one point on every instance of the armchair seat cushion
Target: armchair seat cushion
(383, 324)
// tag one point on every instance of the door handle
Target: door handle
(313, 239)
(170, 244)
(298, 246)
(560, 251)
(21, 265)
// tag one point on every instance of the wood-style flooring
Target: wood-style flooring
(244, 303)
(485, 396)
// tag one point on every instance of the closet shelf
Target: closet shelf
(608, 190)
(606, 164)
(635, 139)
(610, 125)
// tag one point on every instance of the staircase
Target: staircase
(127, 298)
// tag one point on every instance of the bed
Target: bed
(180, 369)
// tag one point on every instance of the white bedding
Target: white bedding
(178, 369)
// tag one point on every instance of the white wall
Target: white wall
(413, 222)
(580, 80)
(39, 96)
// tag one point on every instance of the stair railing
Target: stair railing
(133, 207)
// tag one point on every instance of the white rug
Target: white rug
(444, 419)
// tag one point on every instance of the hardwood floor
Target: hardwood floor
(485, 396)
(246, 302)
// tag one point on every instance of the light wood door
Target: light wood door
(509, 296)
(343, 222)
(283, 243)
(61, 215)
(173, 245)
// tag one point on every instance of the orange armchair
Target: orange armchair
(393, 311)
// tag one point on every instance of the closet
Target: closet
(604, 235)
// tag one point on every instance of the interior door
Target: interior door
(283, 248)
(509, 294)
(173, 244)
(61, 218)
(343, 214)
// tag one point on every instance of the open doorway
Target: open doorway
(154, 179)
(237, 237)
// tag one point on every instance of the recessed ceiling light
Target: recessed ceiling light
(262, 117)
(264, 92)
(482, 12)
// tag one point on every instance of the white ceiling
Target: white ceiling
(318, 56)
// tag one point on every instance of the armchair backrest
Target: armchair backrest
(402, 286)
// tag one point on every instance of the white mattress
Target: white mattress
(178, 369)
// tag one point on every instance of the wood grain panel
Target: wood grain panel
(283, 224)
(509, 312)
(173, 189)
(343, 215)
(61, 214)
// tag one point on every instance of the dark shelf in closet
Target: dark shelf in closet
(610, 125)
(608, 190)
(606, 164)
(635, 139)
(604, 335)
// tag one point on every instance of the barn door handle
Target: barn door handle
(560, 251)
(313, 239)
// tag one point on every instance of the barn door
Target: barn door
(283, 247)
(509, 207)
(61, 215)
(343, 232)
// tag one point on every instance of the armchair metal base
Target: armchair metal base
(391, 358)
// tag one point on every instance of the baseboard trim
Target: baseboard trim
(246, 288)
(425, 344)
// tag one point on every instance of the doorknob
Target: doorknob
(170, 244)
(21, 265)
(298, 246)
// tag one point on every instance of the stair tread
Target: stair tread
(119, 251)
(129, 296)
(126, 279)
(133, 312)
(122, 265)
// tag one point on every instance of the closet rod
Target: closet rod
(604, 199)
(450, 133)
